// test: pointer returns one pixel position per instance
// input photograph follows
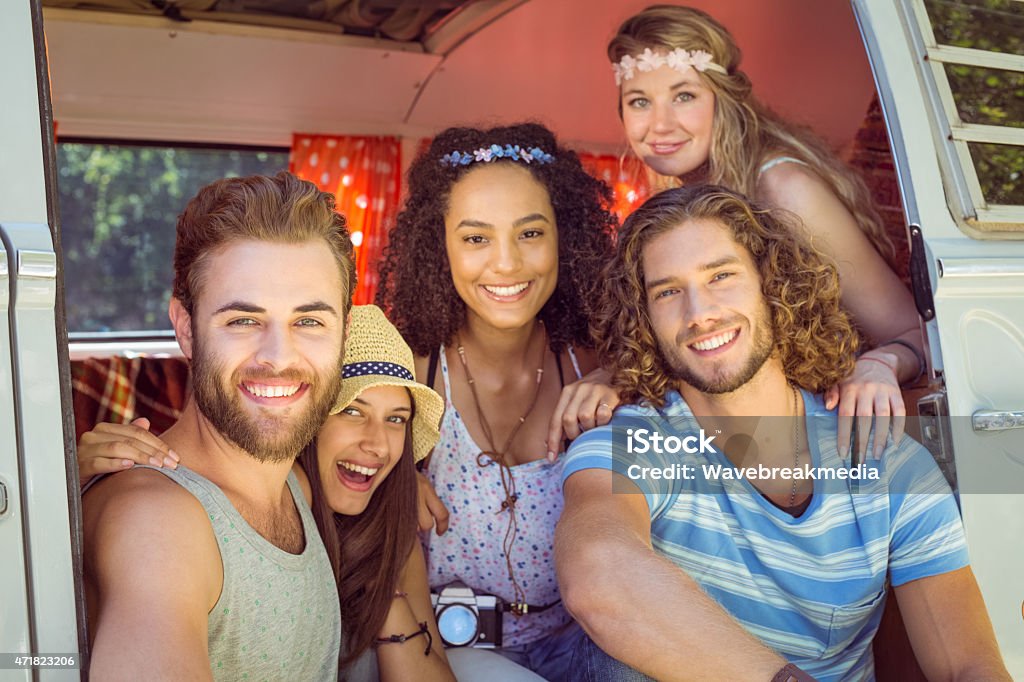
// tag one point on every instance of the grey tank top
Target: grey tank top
(363, 669)
(277, 617)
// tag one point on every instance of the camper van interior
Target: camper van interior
(280, 79)
(148, 100)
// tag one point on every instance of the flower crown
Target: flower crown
(488, 154)
(679, 59)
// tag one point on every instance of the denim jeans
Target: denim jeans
(591, 664)
(549, 657)
(484, 665)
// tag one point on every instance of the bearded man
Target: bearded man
(215, 570)
(719, 318)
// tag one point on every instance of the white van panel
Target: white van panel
(44, 495)
(21, 190)
(14, 632)
(977, 335)
(35, 535)
(21, 173)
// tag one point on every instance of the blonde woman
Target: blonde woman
(689, 113)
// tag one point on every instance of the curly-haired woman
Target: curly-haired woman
(488, 275)
(689, 113)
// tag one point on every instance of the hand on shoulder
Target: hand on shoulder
(584, 404)
(870, 395)
(109, 448)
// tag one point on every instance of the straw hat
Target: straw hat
(376, 355)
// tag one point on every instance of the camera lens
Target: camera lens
(457, 624)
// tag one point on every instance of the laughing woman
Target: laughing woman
(689, 113)
(362, 480)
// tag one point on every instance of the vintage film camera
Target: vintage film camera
(466, 618)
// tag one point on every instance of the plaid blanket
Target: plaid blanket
(119, 389)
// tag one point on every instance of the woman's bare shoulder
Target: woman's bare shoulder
(791, 181)
(802, 192)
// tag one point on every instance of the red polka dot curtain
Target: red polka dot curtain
(364, 174)
(626, 176)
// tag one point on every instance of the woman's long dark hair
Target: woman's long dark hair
(369, 550)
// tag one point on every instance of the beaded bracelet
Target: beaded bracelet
(402, 639)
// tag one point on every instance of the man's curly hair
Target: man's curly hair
(814, 336)
(416, 288)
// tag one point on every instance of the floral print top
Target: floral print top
(471, 550)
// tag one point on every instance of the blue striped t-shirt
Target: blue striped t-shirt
(813, 587)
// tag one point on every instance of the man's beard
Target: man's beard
(718, 382)
(267, 437)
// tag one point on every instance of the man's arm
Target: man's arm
(638, 607)
(153, 572)
(949, 628)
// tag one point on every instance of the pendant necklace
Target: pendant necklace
(493, 454)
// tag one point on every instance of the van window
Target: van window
(119, 202)
(975, 49)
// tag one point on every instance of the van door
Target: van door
(38, 614)
(950, 75)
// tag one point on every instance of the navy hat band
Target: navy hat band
(362, 369)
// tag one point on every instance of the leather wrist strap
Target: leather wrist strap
(791, 673)
(402, 639)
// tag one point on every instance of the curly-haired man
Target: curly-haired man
(751, 548)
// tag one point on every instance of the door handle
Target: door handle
(997, 420)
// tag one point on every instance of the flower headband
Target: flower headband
(679, 59)
(488, 154)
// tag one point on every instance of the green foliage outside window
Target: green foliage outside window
(987, 96)
(119, 205)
